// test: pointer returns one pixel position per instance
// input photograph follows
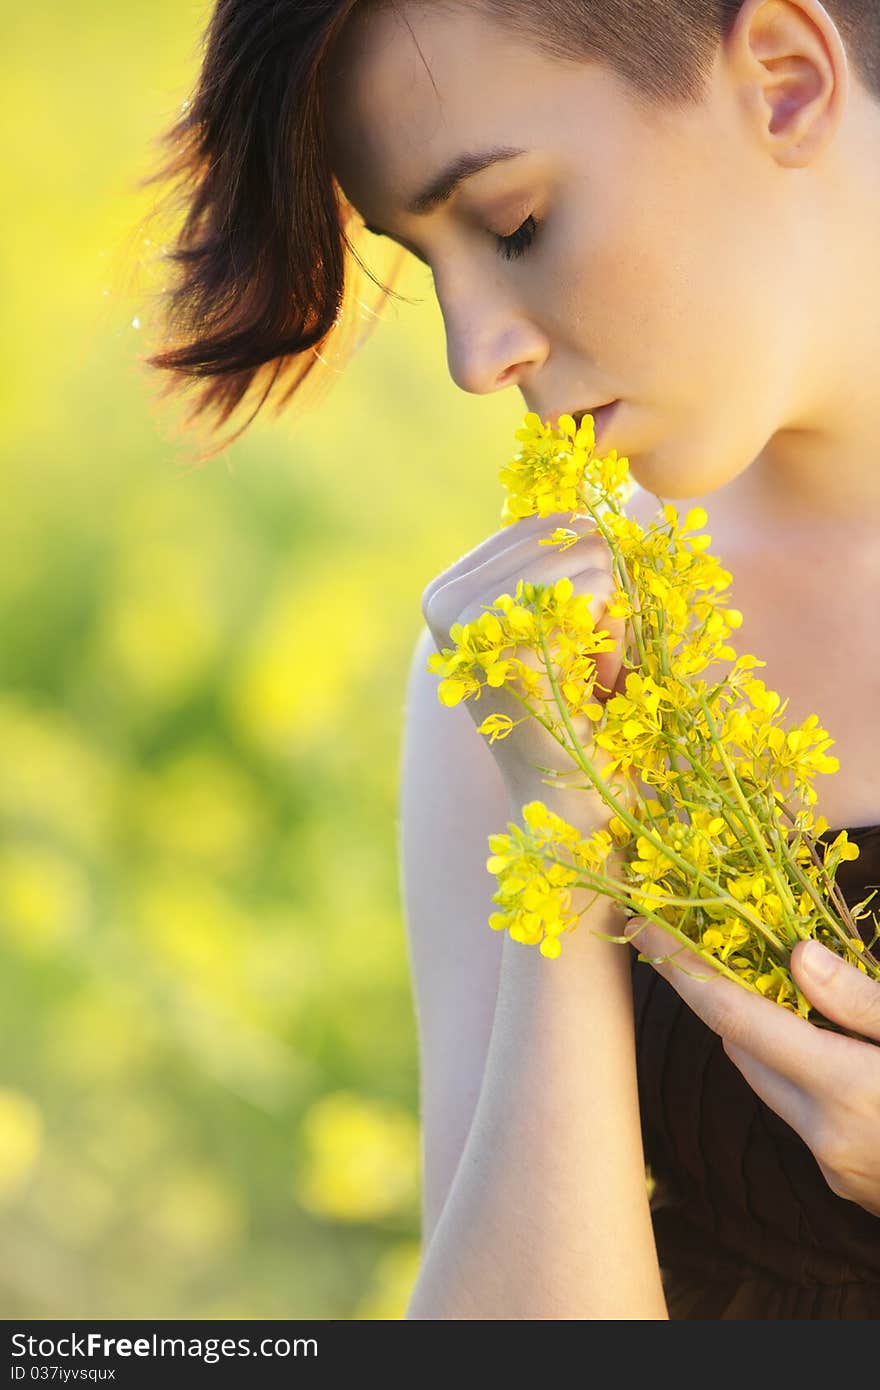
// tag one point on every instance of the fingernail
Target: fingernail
(818, 961)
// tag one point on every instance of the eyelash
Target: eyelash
(519, 241)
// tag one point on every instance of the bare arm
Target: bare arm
(535, 1199)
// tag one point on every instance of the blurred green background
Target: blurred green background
(209, 1077)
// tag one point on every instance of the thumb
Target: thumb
(837, 989)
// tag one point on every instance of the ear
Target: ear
(791, 67)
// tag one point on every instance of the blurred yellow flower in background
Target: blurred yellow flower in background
(202, 679)
(393, 1279)
(361, 1158)
(21, 1136)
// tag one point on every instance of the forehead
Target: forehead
(410, 88)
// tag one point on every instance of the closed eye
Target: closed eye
(512, 246)
(519, 241)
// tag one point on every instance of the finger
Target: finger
(465, 606)
(588, 576)
(500, 570)
(837, 989)
(785, 1098)
(529, 559)
(508, 537)
(773, 1035)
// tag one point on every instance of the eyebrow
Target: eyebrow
(443, 185)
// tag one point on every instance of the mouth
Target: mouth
(578, 415)
(602, 416)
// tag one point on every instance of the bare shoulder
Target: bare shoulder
(451, 799)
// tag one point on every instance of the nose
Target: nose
(490, 344)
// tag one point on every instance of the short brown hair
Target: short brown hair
(262, 267)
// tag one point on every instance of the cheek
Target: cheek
(661, 313)
(628, 309)
(660, 323)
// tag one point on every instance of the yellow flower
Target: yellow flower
(498, 726)
(841, 848)
(777, 984)
(710, 797)
(555, 470)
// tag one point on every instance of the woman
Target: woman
(671, 206)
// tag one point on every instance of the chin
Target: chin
(675, 479)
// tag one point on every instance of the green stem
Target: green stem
(756, 830)
(623, 580)
(809, 887)
(791, 864)
(639, 828)
(757, 835)
(727, 810)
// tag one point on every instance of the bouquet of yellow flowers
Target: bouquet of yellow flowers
(726, 856)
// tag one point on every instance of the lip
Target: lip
(602, 415)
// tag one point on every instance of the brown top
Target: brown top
(745, 1223)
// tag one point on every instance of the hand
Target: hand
(468, 588)
(823, 1084)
